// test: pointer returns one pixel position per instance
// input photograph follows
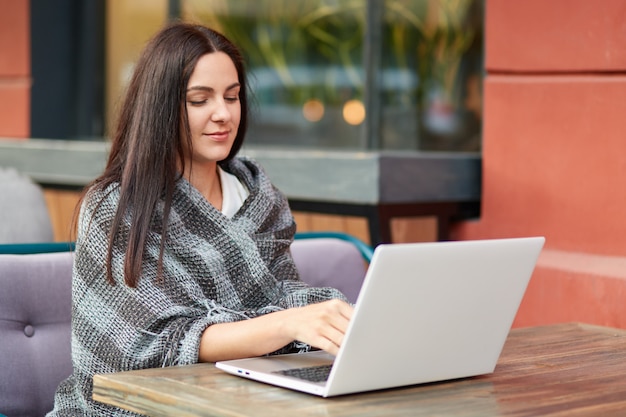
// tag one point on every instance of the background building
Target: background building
(553, 120)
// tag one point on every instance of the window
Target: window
(336, 74)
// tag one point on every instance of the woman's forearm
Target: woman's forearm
(246, 338)
(322, 325)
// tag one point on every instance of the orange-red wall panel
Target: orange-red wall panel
(14, 38)
(557, 296)
(554, 161)
(555, 35)
(14, 68)
(15, 109)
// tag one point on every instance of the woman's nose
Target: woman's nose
(221, 113)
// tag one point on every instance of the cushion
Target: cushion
(35, 314)
(330, 262)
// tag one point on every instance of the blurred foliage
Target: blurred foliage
(439, 34)
(298, 50)
(287, 36)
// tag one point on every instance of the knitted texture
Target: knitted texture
(215, 270)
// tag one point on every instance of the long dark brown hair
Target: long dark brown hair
(146, 155)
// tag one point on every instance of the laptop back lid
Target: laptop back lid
(433, 311)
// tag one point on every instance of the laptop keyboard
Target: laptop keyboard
(310, 373)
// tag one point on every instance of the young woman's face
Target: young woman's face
(213, 108)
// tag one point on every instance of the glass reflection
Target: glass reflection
(306, 64)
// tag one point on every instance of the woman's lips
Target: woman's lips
(219, 136)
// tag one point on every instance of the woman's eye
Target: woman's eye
(196, 102)
(232, 99)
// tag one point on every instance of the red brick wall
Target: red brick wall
(554, 159)
(14, 68)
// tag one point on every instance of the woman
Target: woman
(182, 253)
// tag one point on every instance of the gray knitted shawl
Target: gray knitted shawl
(216, 270)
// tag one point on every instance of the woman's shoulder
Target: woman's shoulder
(100, 200)
(99, 193)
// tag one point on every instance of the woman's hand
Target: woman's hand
(322, 325)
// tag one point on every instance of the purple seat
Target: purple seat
(330, 262)
(35, 313)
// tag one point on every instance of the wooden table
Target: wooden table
(558, 370)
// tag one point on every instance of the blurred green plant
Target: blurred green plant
(299, 50)
(443, 38)
(286, 36)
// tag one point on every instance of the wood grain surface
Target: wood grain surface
(558, 370)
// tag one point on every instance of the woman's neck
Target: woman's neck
(206, 179)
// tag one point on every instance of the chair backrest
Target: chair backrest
(330, 262)
(24, 216)
(35, 314)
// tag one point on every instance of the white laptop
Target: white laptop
(426, 312)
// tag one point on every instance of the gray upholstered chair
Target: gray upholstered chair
(35, 312)
(331, 261)
(24, 215)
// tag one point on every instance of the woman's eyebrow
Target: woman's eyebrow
(211, 89)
